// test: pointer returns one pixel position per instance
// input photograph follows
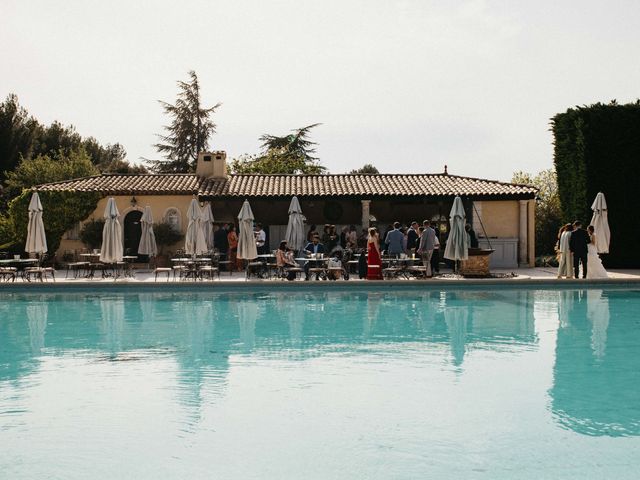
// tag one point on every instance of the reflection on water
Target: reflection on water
(596, 372)
(596, 388)
(202, 332)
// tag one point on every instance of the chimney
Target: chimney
(212, 164)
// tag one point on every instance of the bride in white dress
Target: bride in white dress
(594, 264)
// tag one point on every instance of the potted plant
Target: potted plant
(166, 235)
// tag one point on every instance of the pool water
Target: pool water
(412, 383)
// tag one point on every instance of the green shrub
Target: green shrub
(91, 233)
(7, 233)
(166, 235)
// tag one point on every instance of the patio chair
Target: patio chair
(257, 269)
(8, 273)
(32, 273)
(418, 270)
(159, 270)
(208, 271)
(319, 272)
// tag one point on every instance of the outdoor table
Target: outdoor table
(317, 265)
(181, 259)
(94, 264)
(19, 263)
(400, 266)
(191, 266)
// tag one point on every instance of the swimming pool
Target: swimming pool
(408, 383)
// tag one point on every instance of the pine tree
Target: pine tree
(189, 131)
(289, 154)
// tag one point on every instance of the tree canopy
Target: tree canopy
(366, 168)
(18, 132)
(49, 168)
(548, 211)
(23, 137)
(31, 154)
(288, 154)
(189, 131)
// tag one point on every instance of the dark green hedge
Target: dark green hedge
(597, 149)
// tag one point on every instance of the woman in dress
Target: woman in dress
(374, 264)
(285, 261)
(594, 264)
(232, 238)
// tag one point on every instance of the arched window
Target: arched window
(172, 217)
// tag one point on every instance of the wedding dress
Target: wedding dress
(594, 264)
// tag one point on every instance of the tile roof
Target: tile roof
(331, 185)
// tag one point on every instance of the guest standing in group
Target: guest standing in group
(261, 239)
(374, 263)
(473, 238)
(363, 238)
(394, 241)
(426, 245)
(311, 233)
(435, 256)
(220, 240)
(232, 239)
(352, 237)
(578, 245)
(326, 233)
(565, 258)
(333, 240)
(412, 238)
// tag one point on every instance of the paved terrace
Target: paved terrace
(513, 277)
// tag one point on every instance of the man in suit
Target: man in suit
(412, 237)
(221, 240)
(312, 248)
(394, 241)
(578, 244)
(427, 243)
(261, 239)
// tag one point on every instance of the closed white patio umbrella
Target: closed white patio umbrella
(147, 244)
(600, 223)
(36, 239)
(207, 225)
(295, 235)
(458, 241)
(195, 243)
(111, 250)
(247, 248)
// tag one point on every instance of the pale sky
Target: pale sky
(408, 86)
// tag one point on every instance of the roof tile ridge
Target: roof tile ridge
(499, 182)
(71, 180)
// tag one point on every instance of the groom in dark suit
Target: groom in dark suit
(578, 244)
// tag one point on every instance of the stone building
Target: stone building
(501, 213)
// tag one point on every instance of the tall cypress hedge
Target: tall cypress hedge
(597, 149)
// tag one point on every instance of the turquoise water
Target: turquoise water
(467, 384)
